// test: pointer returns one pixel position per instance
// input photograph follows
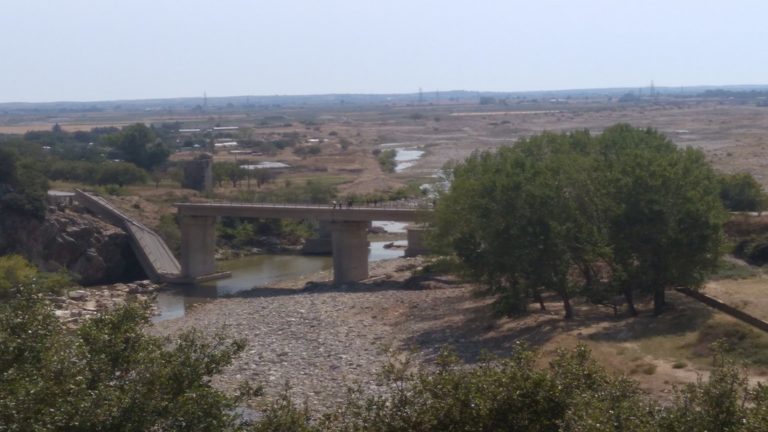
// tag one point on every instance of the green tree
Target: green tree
(23, 186)
(139, 145)
(109, 375)
(386, 159)
(228, 171)
(121, 174)
(548, 212)
(523, 218)
(665, 213)
(741, 192)
(15, 272)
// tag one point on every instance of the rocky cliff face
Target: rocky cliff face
(94, 251)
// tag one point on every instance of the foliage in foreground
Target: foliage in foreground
(108, 375)
(572, 394)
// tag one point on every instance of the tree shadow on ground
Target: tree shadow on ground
(480, 330)
(683, 315)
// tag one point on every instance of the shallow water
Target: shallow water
(256, 271)
(406, 158)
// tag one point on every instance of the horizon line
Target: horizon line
(383, 94)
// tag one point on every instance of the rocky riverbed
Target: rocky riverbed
(320, 338)
(77, 305)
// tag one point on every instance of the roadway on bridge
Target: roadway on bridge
(307, 211)
(154, 255)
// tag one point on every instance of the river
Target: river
(256, 271)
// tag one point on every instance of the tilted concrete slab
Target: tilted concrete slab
(155, 257)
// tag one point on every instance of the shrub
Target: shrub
(741, 192)
(386, 159)
(108, 375)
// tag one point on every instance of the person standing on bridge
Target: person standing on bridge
(334, 203)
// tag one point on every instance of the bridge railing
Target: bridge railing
(387, 205)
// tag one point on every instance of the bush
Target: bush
(17, 275)
(121, 174)
(495, 395)
(108, 375)
(741, 192)
(386, 159)
(23, 187)
(753, 249)
(95, 173)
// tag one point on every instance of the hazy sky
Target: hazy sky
(130, 49)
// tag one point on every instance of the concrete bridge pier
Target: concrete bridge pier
(350, 250)
(198, 246)
(417, 241)
(322, 243)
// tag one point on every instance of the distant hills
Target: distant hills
(286, 101)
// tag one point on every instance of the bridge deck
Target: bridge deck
(307, 211)
(157, 260)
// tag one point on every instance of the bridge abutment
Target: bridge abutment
(198, 246)
(350, 250)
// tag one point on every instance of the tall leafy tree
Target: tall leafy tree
(139, 145)
(523, 218)
(22, 185)
(666, 217)
(552, 210)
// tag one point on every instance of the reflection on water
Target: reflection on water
(260, 270)
(254, 271)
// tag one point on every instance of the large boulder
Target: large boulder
(94, 251)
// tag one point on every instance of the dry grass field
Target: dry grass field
(734, 136)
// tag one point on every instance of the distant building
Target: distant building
(198, 173)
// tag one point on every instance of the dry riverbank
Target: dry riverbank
(322, 338)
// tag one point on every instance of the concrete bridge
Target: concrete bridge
(155, 257)
(348, 228)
